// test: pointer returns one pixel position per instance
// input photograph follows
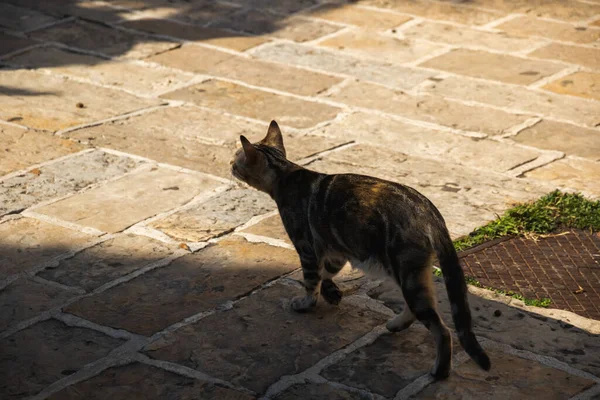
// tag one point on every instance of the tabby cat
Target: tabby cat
(374, 224)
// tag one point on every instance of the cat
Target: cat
(373, 224)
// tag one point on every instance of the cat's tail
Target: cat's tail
(457, 294)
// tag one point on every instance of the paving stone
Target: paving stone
(463, 36)
(571, 139)
(212, 36)
(408, 139)
(582, 84)
(254, 103)
(535, 102)
(529, 26)
(50, 102)
(91, 10)
(216, 216)
(137, 78)
(46, 352)
(365, 18)
(109, 260)
(564, 10)
(28, 242)
(433, 109)
(335, 62)
(281, 6)
(585, 56)
(497, 67)
(9, 43)
(60, 178)
(255, 72)
(511, 377)
(21, 148)
(22, 19)
(380, 47)
(194, 283)
(318, 391)
(25, 298)
(571, 173)
(195, 13)
(139, 381)
(98, 38)
(271, 227)
(124, 202)
(388, 365)
(261, 339)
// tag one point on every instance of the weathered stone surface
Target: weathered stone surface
(388, 365)
(582, 84)
(563, 10)
(571, 139)
(136, 78)
(571, 173)
(255, 72)
(261, 339)
(409, 139)
(497, 67)
(60, 178)
(529, 26)
(102, 39)
(434, 109)
(107, 261)
(326, 60)
(121, 203)
(91, 10)
(191, 284)
(462, 36)
(318, 391)
(216, 216)
(46, 352)
(198, 13)
(271, 227)
(24, 299)
(255, 103)
(572, 54)
(22, 19)
(281, 6)
(365, 18)
(28, 242)
(139, 381)
(536, 102)
(511, 378)
(21, 148)
(380, 47)
(212, 36)
(49, 102)
(9, 43)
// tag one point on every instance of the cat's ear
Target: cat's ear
(249, 150)
(274, 137)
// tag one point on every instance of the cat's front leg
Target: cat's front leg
(312, 283)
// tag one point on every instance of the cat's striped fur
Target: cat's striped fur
(372, 223)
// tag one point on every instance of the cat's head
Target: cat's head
(257, 164)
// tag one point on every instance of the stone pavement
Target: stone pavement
(132, 266)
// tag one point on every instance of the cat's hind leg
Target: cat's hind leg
(311, 270)
(329, 290)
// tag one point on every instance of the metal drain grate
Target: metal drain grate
(563, 267)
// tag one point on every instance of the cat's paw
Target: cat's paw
(330, 292)
(303, 303)
(441, 372)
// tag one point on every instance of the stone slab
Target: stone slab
(493, 66)
(336, 62)
(527, 26)
(271, 227)
(574, 11)
(60, 178)
(91, 10)
(318, 391)
(281, 6)
(582, 84)
(192, 284)
(46, 352)
(365, 18)
(124, 202)
(585, 56)
(383, 48)
(570, 139)
(109, 260)
(25, 298)
(248, 70)
(102, 39)
(513, 97)
(22, 19)
(216, 216)
(10, 43)
(139, 381)
(28, 242)
(571, 173)
(21, 148)
(434, 109)
(51, 102)
(261, 339)
(134, 77)
(197, 13)
(253, 103)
